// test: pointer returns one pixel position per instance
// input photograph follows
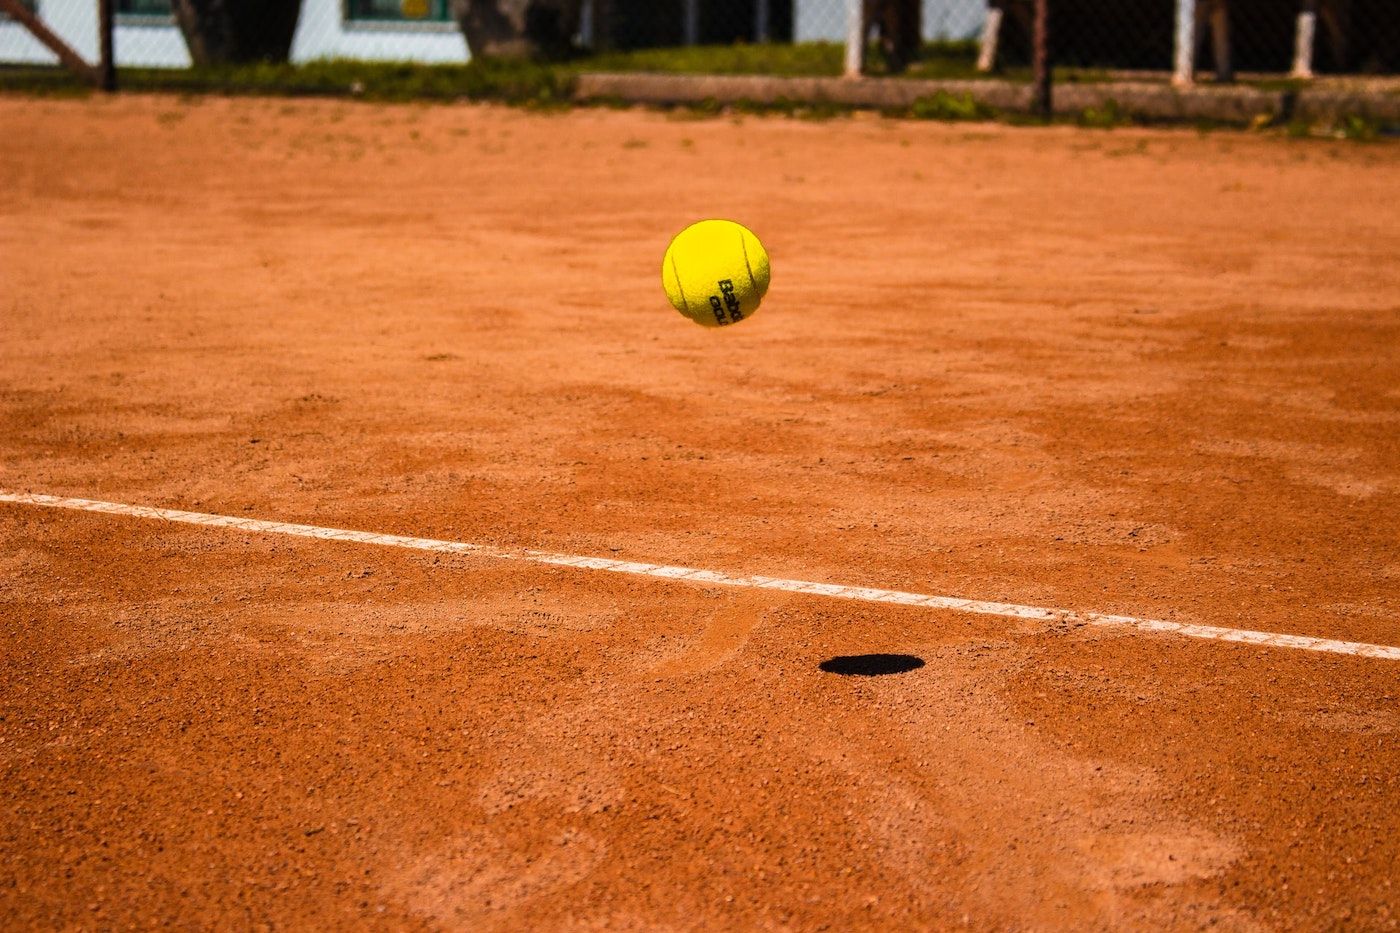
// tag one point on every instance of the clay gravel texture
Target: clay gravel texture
(1153, 373)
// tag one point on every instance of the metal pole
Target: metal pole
(1303, 44)
(600, 25)
(991, 35)
(855, 38)
(1220, 41)
(692, 22)
(106, 65)
(1184, 74)
(1041, 103)
(762, 16)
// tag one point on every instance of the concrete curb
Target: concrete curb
(1232, 105)
(1333, 106)
(761, 89)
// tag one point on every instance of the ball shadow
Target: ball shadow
(871, 665)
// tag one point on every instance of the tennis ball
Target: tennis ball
(715, 272)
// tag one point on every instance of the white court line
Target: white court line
(690, 574)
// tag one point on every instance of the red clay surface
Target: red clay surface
(1139, 372)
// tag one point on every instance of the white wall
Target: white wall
(143, 41)
(17, 46)
(73, 21)
(825, 20)
(322, 33)
(148, 42)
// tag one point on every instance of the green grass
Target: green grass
(945, 106)
(1354, 127)
(1285, 85)
(809, 59)
(1360, 129)
(1110, 115)
(544, 85)
(514, 82)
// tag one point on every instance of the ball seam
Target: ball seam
(744, 247)
(680, 287)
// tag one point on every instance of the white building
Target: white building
(146, 34)
(825, 20)
(386, 30)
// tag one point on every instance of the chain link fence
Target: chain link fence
(1229, 38)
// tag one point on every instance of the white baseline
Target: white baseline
(693, 575)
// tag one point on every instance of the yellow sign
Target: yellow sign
(414, 9)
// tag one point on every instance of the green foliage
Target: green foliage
(42, 81)
(946, 60)
(1299, 129)
(1354, 127)
(945, 106)
(549, 86)
(807, 59)
(1360, 129)
(523, 82)
(515, 82)
(1108, 116)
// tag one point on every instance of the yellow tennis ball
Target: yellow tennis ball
(715, 272)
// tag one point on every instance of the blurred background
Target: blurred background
(1232, 38)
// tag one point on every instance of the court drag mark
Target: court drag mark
(694, 575)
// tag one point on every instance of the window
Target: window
(151, 8)
(400, 11)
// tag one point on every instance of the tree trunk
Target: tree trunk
(221, 32)
(540, 29)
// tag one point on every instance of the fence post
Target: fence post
(69, 58)
(762, 16)
(855, 38)
(1184, 75)
(106, 64)
(1041, 103)
(1220, 41)
(601, 23)
(692, 22)
(991, 36)
(1303, 43)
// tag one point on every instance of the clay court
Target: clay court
(1148, 375)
